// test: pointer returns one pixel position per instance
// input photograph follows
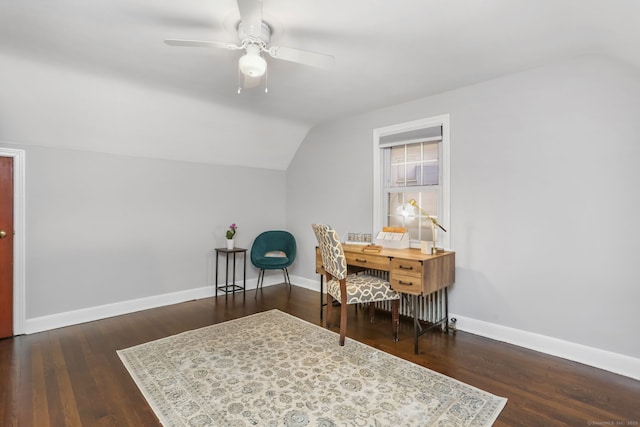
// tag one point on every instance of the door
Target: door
(6, 247)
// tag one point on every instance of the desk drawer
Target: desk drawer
(406, 284)
(407, 267)
(375, 262)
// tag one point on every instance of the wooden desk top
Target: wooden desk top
(413, 254)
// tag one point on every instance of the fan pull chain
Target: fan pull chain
(266, 80)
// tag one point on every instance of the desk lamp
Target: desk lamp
(434, 223)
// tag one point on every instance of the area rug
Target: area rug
(273, 369)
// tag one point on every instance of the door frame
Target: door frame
(19, 267)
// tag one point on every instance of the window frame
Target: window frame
(379, 204)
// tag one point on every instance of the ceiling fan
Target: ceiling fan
(254, 35)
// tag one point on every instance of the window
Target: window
(411, 163)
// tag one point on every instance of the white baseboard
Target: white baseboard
(597, 358)
(90, 314)
(603, 359)
(613, 362)
(303, 282)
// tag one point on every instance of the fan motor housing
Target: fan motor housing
(265, 33)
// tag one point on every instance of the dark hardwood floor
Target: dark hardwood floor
(73, 377)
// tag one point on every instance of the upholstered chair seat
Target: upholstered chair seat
(363, 288)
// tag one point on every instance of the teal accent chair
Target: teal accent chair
(273, 250)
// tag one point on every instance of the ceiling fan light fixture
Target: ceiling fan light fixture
(254, 37)
(252, 64)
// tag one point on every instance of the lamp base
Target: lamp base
(427, 247)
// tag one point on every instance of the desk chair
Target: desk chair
(273, 250)
(351, 288)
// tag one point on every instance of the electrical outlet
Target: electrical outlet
(452, 324)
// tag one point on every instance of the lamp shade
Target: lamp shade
(252, 64)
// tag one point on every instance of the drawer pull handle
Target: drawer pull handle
(402, 267)
(405, 283)
(361, 260)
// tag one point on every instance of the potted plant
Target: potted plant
(231, 232)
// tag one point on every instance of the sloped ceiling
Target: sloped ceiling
(96, 74)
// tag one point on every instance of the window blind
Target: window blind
(433, 133)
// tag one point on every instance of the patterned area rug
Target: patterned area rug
(273, 369)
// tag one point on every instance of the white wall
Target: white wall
(544, 200)
(105, 229)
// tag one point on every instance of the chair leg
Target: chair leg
(343, 318)
(372, 311)
(260, 274)
(329, 306)
(286, 276)
(395, 318)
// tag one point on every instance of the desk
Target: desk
(411, 273)
(232, 287)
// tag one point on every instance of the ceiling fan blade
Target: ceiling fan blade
(202, 43)
(300, 56)
(251, 16)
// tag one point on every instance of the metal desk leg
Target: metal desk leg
(415, 323)
(446, 310)
(417, 327)
(244, 276)
(321, 293)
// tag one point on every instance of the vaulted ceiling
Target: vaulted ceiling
(96, 75)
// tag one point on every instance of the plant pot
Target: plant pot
(230, 243)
